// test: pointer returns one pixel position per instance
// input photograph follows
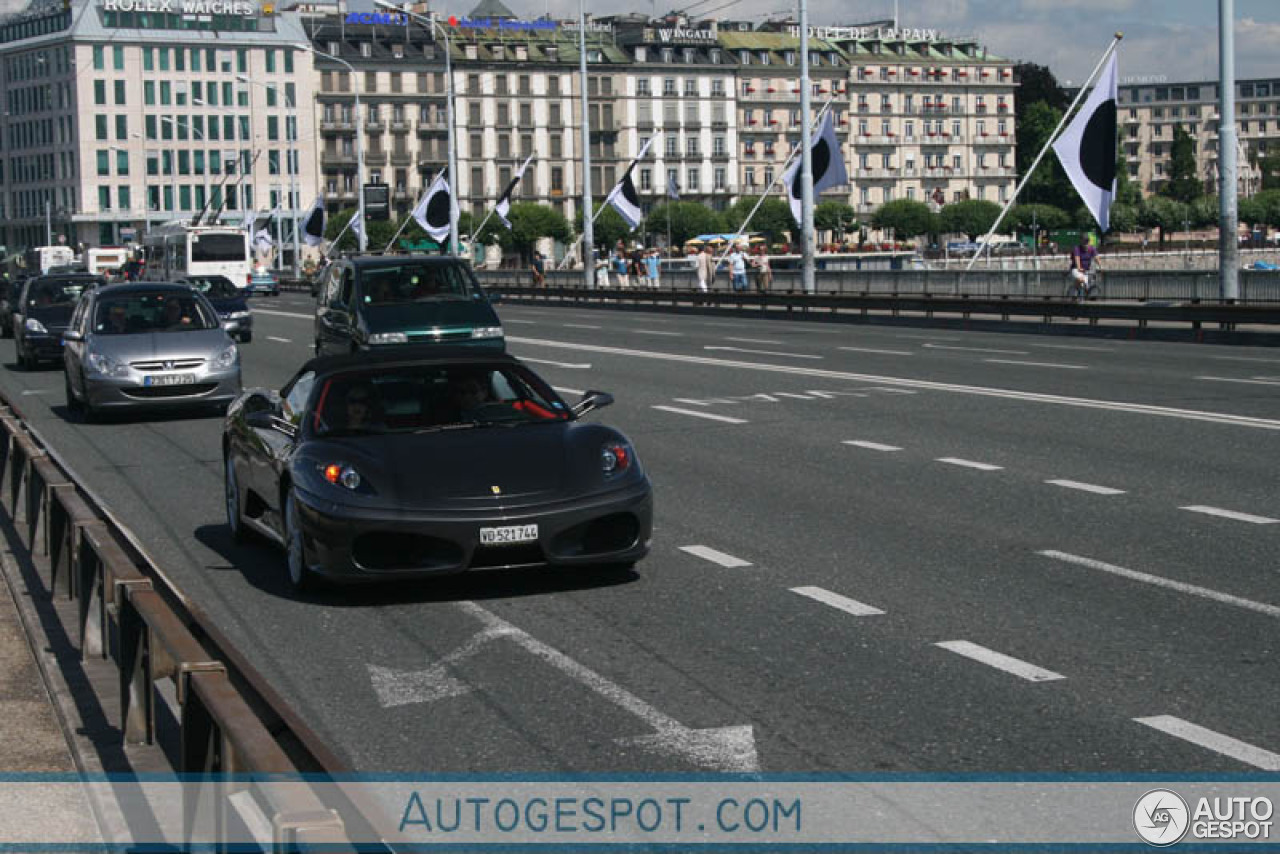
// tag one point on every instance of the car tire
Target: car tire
(246, 337)
(74, 407)
(301, 579)
(231, 494)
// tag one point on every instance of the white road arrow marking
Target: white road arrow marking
(405, 687)
(582, 366)
(718, 748)
(761, 352)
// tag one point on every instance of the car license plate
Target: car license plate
(508, 535)
(169, 379)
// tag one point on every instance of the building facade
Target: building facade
(1149, 113)
(118, 117)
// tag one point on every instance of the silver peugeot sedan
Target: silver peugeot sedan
(147, 345)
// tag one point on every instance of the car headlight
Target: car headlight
(35, 326)
(487, 332)
(227, 357)
(342, 475)
(107, 366)
(238, 315)
(615, 458)
(388, 338)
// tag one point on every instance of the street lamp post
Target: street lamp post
(454, 179)
(361, 236)
(253, 153)
(291, 166)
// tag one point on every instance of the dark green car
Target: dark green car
(377, 301)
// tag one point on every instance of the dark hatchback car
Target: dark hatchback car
(424, 460)
(374, 301)
(42, 314)
(229, 301)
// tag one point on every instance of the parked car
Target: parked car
(423, 460)
(375, 301)
(229, 301)
(263, 281)
(148, 345)
(42, 313)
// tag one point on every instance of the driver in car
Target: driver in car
(174, 316)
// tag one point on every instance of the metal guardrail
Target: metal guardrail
(127, 615)
(1256, 286)
(790, 303)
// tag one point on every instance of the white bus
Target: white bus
(176, 249)
(41, 258)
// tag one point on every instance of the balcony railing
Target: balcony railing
(337, 158)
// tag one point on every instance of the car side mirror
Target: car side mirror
(72, 335)
(591, 401)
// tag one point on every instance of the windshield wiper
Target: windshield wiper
(459, 425)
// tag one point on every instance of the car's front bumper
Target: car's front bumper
(211, 386)
(42, 346)
(354, 544)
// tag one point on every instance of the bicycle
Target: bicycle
(1090, 288)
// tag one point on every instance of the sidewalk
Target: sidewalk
(32, 739)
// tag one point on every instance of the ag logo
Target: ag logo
(1161, 817)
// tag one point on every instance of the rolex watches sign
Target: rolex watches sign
(245, 8)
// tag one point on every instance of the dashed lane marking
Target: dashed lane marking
(1231, 514)
(872, 446)
(580, 326)
(1200, 736)
(1238, 380)
(840, 603)
(678, 411)
(1000, 661)
(873, 350)
(754, 340)
(657, 332)
(707, 553)
(976, 349)
(1086, 487)
(969, 464)
(763, 352)
(525, 322)
(281, 340)
(1167, 583)
(1037, 364)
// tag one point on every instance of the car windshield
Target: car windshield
(47, 292)
(214, 287)
(132, 314)
(414, 282)
(424, 398)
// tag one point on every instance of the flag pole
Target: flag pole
(335, 241)
(399, 231)
(586, 224)
(769, 189)
(806, 159)
(1115, 42)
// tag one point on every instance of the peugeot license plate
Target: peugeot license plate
(508, 535)
(169, 379)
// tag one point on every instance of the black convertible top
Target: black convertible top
(406, 354)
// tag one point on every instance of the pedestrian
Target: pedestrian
(620, 268)
(653, 262)
(539, 270)
(764, 273)
(738, 268)
(602, 270)
(702, 267)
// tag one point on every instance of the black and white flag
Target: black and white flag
(432, 212)
(313, 223)
(826, 160)
(503, 207)
(1087, 148)
(262, 241)
(673, 191)
(623, 196)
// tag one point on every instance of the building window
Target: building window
(646, 179)
(720, 177)
(673, 145)
(99, 58)
(100, 92)
(642, 86)
(122, 163)
(104, 163)
(669, 86)
(123, 198)
(119, 92)
(104, 198)
(100, 127)
(122, 127)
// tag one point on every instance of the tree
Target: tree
(1269, 165)
(1262, 209)
(1043, 217)
(1204, 212)
(1184, 184)
(530, 222)
(835, 216)
(906, 217)
(336, 224)
(773, 219)
(1162, 213)
(1036, 83)
(973, 217)
(608, 228)
(1124, 218)
(688, 220)
(1049, 183)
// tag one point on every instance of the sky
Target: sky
(1176, 39)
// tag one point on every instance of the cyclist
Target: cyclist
(1083, 257)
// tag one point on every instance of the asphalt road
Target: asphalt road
(874, 549)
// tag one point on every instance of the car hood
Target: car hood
(51, 316)
(201, 343)
(424, 315)
(458, 468)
